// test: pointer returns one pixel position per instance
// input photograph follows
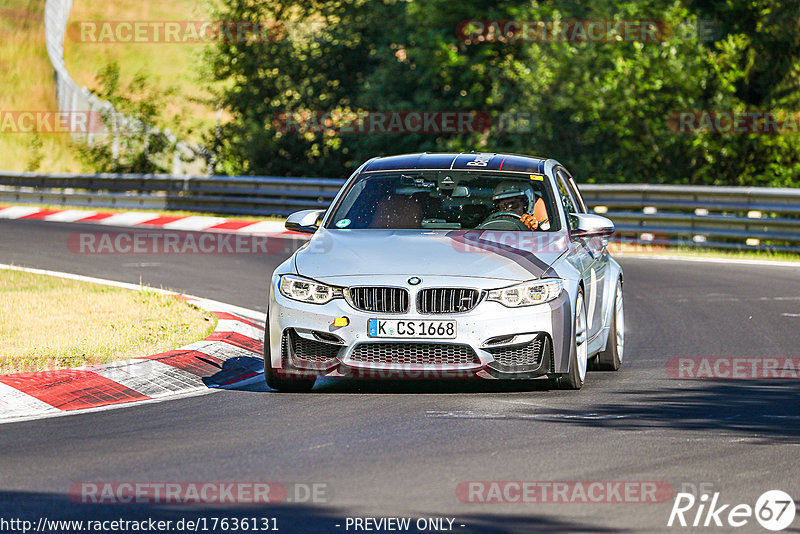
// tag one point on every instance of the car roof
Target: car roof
(457, 161)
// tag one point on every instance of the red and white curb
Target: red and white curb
(231, 356)
(136, 219)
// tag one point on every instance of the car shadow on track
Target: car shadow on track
(249, 367)
(235, 370)
(289, 518)
(766, 411)
(425, 386)
(327, 385)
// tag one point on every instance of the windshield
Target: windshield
(447, 200)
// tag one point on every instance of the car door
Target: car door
(591, 257)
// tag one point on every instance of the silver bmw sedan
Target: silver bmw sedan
(448, 265)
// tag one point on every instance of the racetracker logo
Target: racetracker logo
(181, 32)
(733, 122)
(60, 122)
(733, 368)
(500, 241)
(511, 31)
(564, 492)
(410, 372)
(177, 243)
(580, 31)
(382, 122)
(774, 510)
(137, 492)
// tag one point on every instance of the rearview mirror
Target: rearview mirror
(589, 225)
(306, 221)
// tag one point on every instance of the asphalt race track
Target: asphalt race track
(401, 448)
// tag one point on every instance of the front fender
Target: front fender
(614, 274)
(562, 312)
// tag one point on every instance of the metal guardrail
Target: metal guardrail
(244, 195)
(718, 217)
(703, 216)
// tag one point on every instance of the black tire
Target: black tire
(611, 358)
(277, 379)
(572, 379)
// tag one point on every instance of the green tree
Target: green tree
(602, 108)
(132, 142)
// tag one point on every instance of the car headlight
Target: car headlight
(306, 290)
(527, 293)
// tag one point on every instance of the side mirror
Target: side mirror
(306, 221)
(589, 225)
(460, 191)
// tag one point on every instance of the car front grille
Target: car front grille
(306, 353)
(379, 299)
(447, 300)
(414, 354)
(526, 357)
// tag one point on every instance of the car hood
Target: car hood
(501, 255)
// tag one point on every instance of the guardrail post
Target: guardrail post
(115, 141)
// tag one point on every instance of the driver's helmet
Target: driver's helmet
(506, 192)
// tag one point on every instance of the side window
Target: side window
(573, 187)
(567, 199)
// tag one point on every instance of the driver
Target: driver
(517, 199)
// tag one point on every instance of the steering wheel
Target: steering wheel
(501, 221)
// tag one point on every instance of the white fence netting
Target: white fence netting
(74, 98)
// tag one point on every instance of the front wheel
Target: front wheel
(611, 358)
(579, 355)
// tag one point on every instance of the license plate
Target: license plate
(402, 328)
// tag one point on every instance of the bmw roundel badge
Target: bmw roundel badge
(414, 280)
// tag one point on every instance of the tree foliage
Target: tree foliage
(132, 142)
(602, 108)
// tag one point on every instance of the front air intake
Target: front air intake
(306, 353)
(418, 354)
(522, 357)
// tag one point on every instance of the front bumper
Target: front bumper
(492, 341)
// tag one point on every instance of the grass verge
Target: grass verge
(55, 323)
(174, 69)
(28, 86)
